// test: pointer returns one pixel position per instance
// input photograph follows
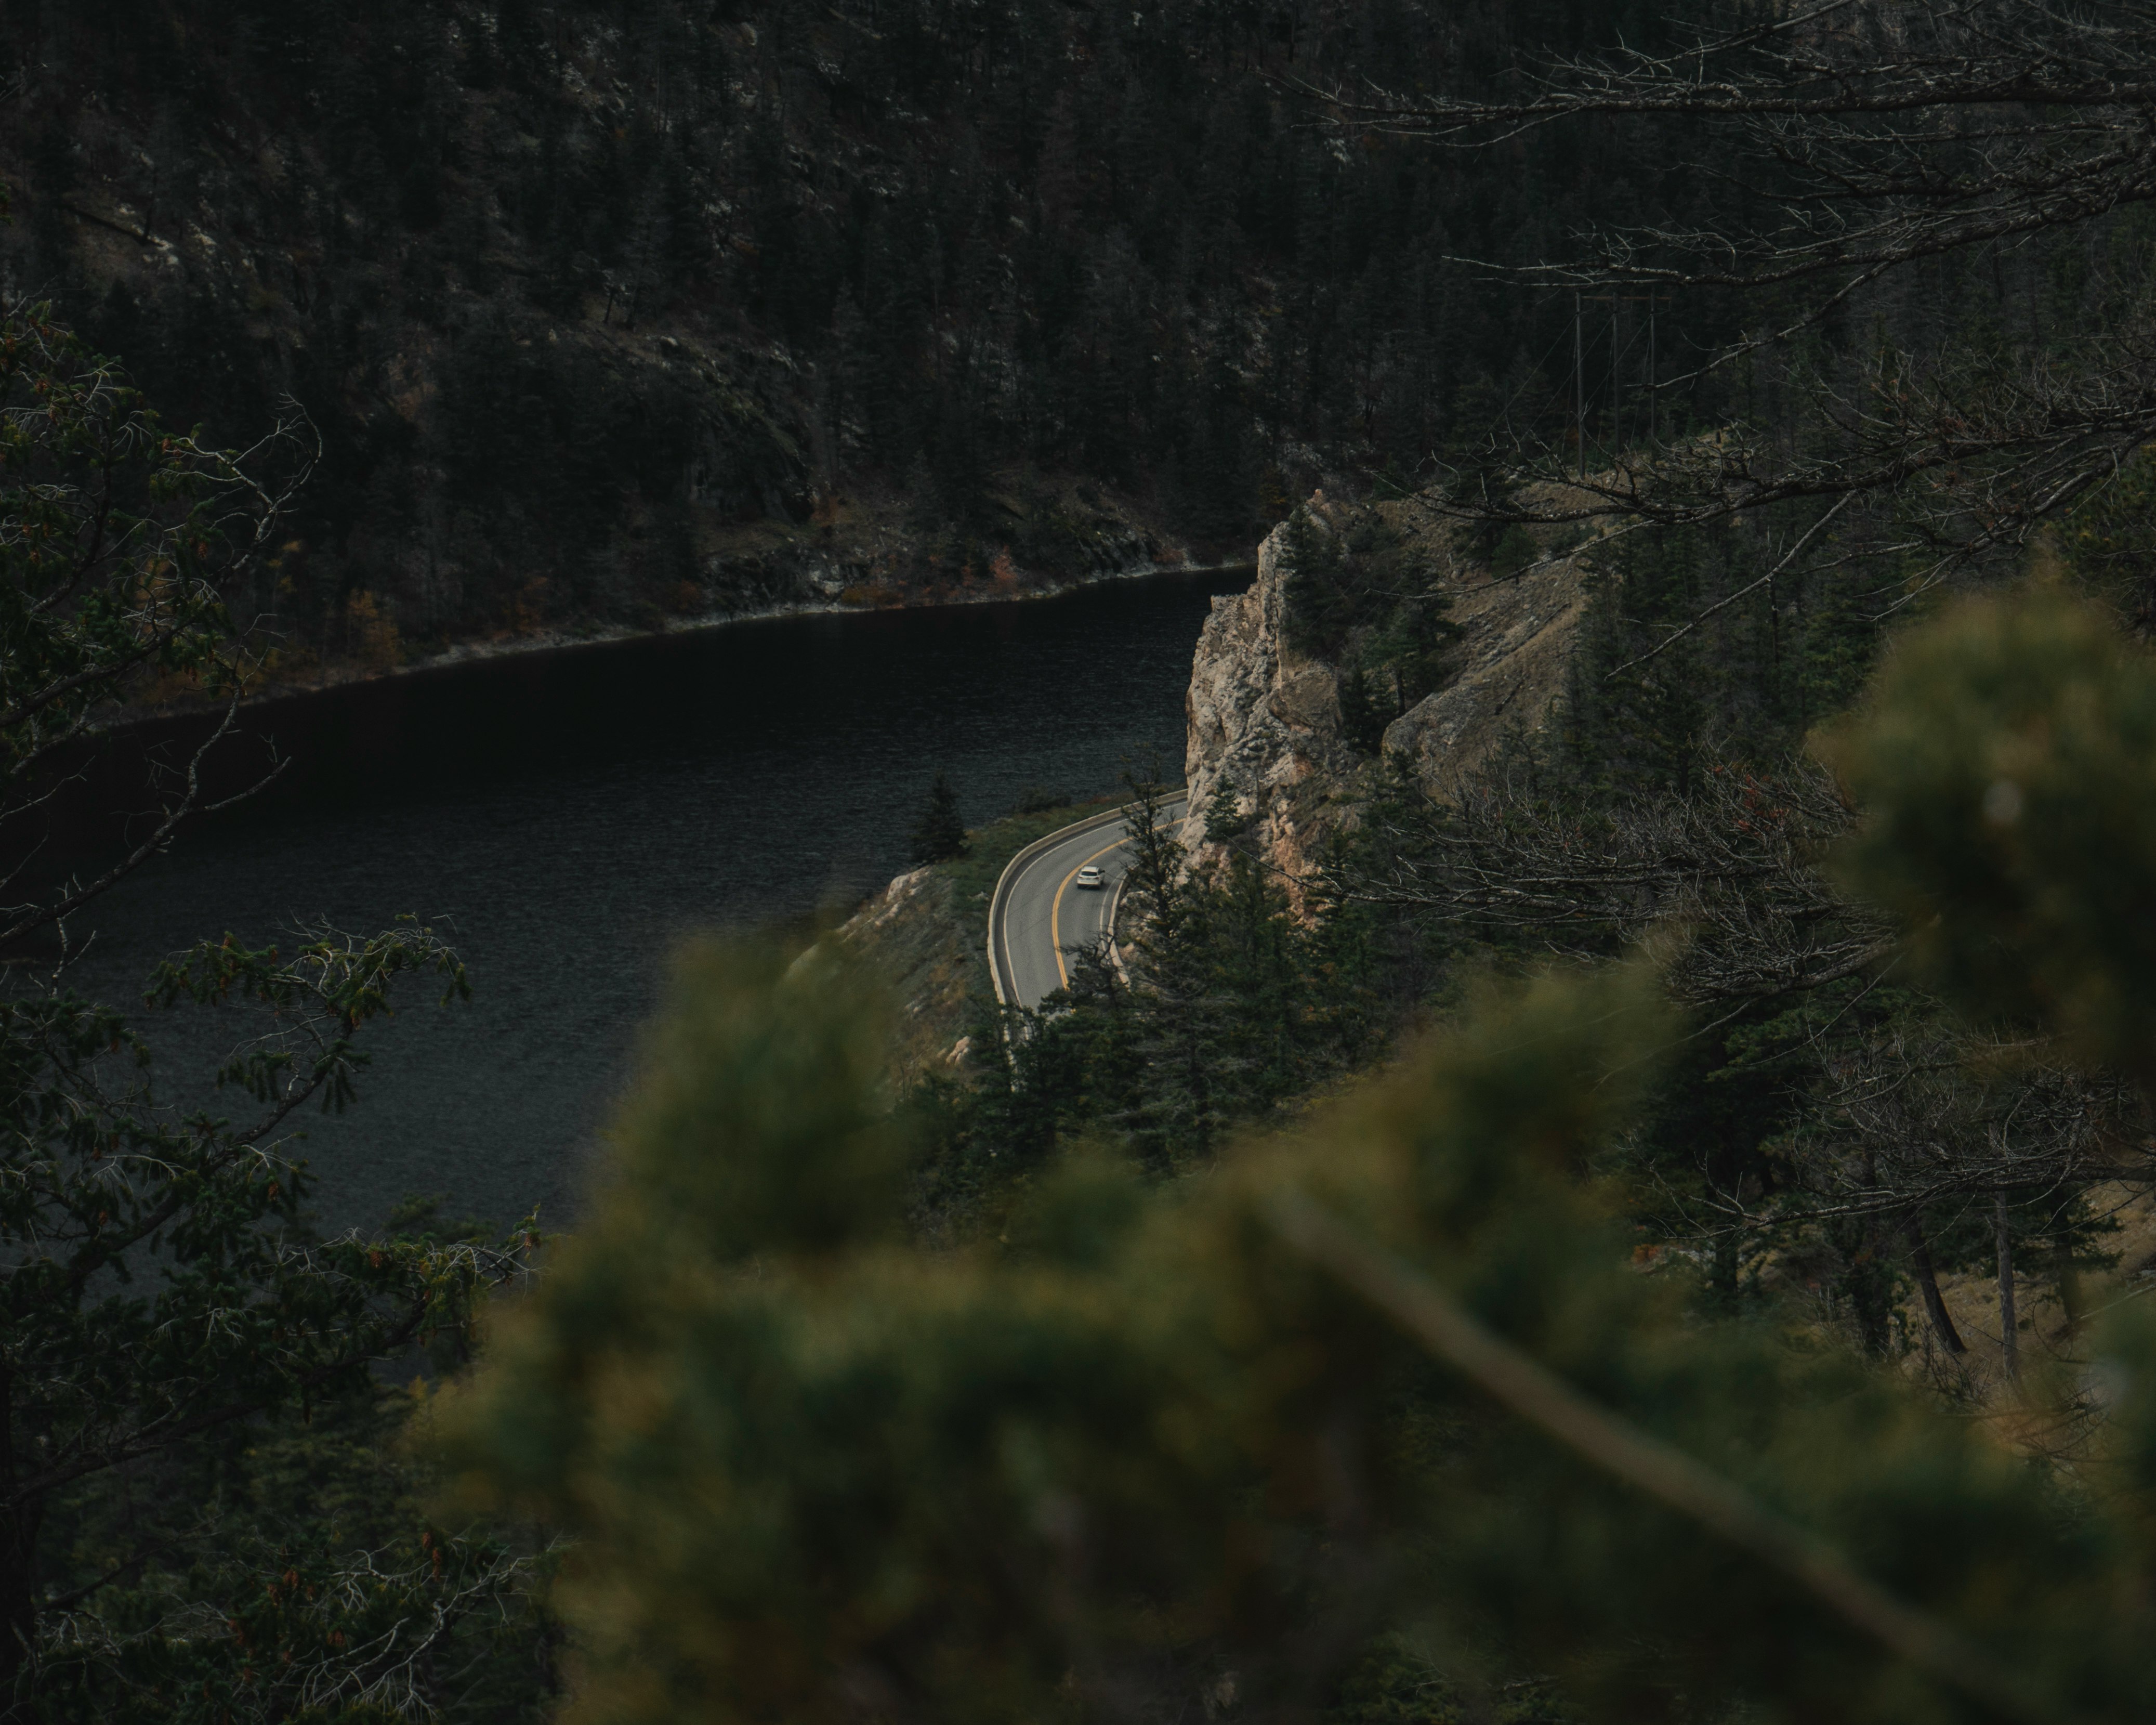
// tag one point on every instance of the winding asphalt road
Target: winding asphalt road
(1038, 911)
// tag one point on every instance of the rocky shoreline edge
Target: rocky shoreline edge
(346, 674)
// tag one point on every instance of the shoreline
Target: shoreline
(344, 676)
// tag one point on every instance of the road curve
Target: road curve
(1037, 913)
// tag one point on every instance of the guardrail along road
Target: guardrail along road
(1038, 911)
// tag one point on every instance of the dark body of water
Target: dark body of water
(570, 815)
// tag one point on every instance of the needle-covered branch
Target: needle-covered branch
(122, 542)
(164, 1292)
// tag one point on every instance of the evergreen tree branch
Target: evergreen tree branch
(1656, 1468)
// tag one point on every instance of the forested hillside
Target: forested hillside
(1634, 1210)
(609, 311)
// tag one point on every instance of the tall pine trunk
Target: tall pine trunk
(1927, 1281)
(2009, 1350)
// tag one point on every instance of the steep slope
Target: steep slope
(612, 311)
(1265, 720)
(1513, 657)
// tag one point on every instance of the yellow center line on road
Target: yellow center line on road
(1055, 907)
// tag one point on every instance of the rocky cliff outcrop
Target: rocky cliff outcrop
(1264, 719)
(1266, 722)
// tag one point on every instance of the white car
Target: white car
(1089, 876)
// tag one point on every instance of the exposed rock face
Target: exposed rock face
(1511, 665)
(1265, 719)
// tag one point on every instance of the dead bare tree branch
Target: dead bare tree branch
(1733, 866)
(1867, 138)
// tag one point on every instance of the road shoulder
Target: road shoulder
(921, 933)
(1016, 867)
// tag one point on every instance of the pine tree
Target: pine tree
(167, 1308)
(1224, 818)
(940, 833)
(1361, 720)
(1399, 1367)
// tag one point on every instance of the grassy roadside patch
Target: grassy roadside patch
(974, 876)
(926, 932)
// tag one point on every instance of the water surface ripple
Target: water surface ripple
(571, 815)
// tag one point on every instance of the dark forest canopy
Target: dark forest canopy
(966, 255)
(1065, 1373)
